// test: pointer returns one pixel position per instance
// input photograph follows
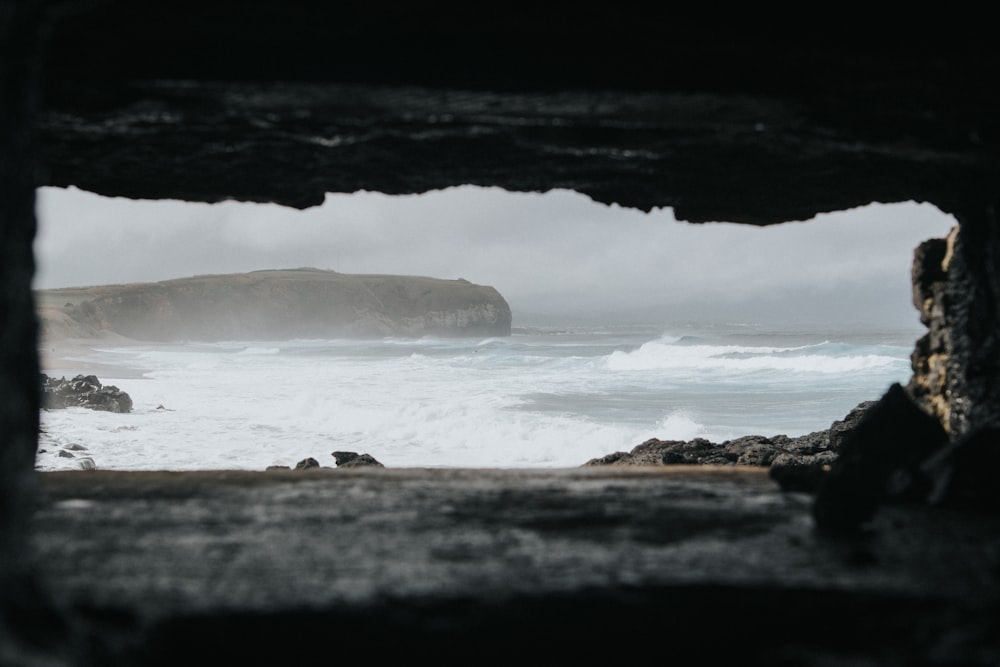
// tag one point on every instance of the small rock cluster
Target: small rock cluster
(72, 451)
(344, 460)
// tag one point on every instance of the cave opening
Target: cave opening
(775, 125)
(625, 326)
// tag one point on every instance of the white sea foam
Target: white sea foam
(540, 400)
(821, 358)
(679, 426)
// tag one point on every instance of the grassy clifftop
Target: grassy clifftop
(274, 305)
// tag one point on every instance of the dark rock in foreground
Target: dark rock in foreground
(278, 305)
(84, 391)
(515, 565)
(797, 464)
(884, 450)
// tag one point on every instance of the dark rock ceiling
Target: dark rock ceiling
(283, 102)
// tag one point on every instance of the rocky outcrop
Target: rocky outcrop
(272, 305)
(84, 391)
(938, 440)
(796, 463)
(932, 386)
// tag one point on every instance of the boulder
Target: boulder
(84, 391)
(886, 449)
(354, 460)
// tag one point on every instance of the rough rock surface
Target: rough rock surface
(572, 566)
(796, 463)
(300, 303)
(84, 391)
(635, 107)
(932, 386)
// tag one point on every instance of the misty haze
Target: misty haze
(622, 326)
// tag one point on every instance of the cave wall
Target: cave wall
(753, 121)
(285, 102)
(724, 119)
(19, 388)
(973, 295)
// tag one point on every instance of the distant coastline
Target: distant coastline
(272, 305)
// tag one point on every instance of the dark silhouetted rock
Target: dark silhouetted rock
(306, 464)
(354, 460)
(801, 474)
(963, 474)
(891, 441)
(84, 391)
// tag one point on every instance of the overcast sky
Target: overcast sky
(557, 253)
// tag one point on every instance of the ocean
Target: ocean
(547, 396)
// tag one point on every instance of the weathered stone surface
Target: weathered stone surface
(931, 386)
(757, 126)
(267, 305)
(973, 320)
(306, 464)
(232, 568)
(84, 391)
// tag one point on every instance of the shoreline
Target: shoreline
(68, 357)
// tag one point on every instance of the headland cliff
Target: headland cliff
(275, 305)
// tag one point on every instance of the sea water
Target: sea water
(546, 396)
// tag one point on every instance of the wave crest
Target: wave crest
(825, 357)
